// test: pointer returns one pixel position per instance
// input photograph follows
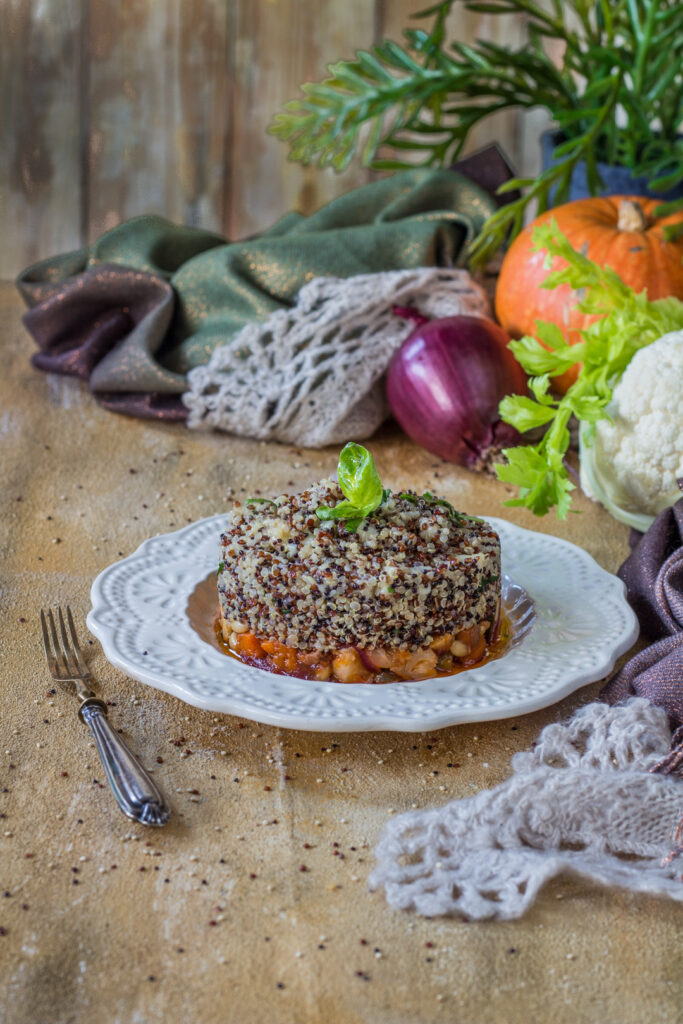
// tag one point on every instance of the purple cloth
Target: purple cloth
(653, 574)
(146, 302)
(149, 300)
(104, 310)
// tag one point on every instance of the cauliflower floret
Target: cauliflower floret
(639, 457)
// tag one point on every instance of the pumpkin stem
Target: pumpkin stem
(631, 217)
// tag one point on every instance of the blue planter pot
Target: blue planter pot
(618, 180)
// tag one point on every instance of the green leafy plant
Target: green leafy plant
(360, 484)
(430, 499)
(616, 95)
(628, 323)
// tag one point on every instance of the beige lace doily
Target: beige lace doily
(313, 375)
(581, 802)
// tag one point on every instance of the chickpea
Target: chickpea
(348, 667)
(236, 627)
(378, 657)
(310, 657)
(422, 664)
(414, 666)
(459, 649)
(442, 643)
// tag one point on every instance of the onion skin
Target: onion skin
(445, 384)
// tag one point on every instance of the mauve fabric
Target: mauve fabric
(109, 306)
(150, 300)
(653, 574)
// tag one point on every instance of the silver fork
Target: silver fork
(136, 793)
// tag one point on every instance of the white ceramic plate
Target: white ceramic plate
(152, 613)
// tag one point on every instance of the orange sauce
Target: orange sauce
(285, 660)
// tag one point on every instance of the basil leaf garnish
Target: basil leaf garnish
(360, 484)
(430, 499)
(358, 477)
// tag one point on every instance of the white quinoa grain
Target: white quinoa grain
(412, 571)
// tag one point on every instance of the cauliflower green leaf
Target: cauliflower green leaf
(628, 323)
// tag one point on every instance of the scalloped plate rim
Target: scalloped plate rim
(381, 720)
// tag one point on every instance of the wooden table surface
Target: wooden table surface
(214, 918)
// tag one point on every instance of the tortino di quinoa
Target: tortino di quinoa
(414, 590)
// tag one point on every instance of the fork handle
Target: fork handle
(136, 793)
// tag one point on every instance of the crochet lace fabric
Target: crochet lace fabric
(312, 375)
(581, 801)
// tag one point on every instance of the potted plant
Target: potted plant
(615, 94)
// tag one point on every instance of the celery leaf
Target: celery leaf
(628, 322)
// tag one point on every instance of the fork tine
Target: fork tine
(82, 667)
(66, 646)
(59, 656)
(51, 660)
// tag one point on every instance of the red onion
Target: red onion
(366, 659)
(445, 384)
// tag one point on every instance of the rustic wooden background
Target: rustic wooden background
(112, 108)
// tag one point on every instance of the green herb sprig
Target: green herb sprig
(628, 323)
(361, 486)
(261, 501)
(430, 499)
(616, 95)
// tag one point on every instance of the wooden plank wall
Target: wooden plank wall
(112, 108)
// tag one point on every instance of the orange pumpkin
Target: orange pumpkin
(621, 232)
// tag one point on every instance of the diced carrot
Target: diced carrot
(248, 644)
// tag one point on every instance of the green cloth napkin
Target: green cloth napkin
(415, 218)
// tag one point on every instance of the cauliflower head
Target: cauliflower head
(636, 460)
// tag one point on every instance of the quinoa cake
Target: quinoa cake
(411, 590)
